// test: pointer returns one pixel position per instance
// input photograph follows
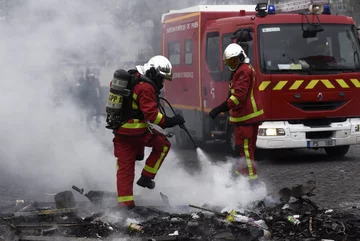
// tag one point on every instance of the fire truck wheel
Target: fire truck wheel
(182, 139)
(337, 151)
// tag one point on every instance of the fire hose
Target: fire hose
(182, 126)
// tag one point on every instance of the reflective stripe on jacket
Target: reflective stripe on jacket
(144, 99)
(244, 102)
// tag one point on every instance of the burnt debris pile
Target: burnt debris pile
(292, 216)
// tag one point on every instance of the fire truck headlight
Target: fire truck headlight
(271, 132)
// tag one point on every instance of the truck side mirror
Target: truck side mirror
(242, 35)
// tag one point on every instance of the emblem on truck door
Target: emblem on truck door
(320, 96)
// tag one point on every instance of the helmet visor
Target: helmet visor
(166, 73)
(233, 62)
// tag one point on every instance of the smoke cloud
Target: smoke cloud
(44, 142)
(211, 183)
(44, 138)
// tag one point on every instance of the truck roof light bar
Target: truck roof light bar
(271, 9)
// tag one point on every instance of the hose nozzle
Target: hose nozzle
(182, 126)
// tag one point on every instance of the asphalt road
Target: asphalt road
(336, 179)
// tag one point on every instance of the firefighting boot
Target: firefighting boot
(146, 182)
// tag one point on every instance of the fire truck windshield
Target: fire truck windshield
(283, 48)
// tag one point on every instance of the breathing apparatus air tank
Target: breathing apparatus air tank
(119, 89)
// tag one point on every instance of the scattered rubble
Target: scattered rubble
(293, 217)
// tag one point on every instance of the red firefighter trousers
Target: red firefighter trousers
(245, 141)
(126, 148)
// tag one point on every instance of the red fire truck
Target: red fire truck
(307, 64)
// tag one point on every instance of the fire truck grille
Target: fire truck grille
(317, 122)
(318, 106)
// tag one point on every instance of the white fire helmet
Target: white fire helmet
(140, 69)
(162, 66)
(234, 55)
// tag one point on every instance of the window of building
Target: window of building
(213, 51)
(174, 52)
(188, 51)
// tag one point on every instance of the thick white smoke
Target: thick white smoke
(212, 184)
(43, 138)
(47, 144)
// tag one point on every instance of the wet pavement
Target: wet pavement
(336, 178)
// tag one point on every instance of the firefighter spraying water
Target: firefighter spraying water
(199, 152)
(133, 108)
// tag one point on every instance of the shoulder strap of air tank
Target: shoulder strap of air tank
(143, 78)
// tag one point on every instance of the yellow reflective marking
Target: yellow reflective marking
(312, 84)
(236, 101)
(296, 85)
(248, 159)
(342, 83)
(232, 91)
(280, 85)
(134, 105)
(116, 99)
(155, 169)
(252, 68)
(158, 118)
(263, 85)
(125, 199)
(246, 117)
(182, 17)
(255, 113)
(253, 177)
(135, 125)
(252, 99)
(327, 83)
(355, 82)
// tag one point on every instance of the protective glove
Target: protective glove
(173, 121)
(217, 110)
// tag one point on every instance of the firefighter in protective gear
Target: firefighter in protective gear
(133, 136)
(245, 108)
